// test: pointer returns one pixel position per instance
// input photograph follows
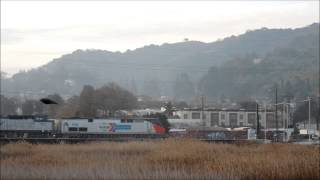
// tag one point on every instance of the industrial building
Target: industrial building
(228, 118)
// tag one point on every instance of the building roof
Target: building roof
(224, 109)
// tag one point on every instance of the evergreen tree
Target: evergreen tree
(86, 102)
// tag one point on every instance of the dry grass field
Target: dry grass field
(168, 159)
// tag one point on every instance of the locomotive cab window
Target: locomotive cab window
(73, 129)
(83, 129)
(126, 120)
(138, 120)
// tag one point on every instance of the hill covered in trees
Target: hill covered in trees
(241, 66)
(294, 70)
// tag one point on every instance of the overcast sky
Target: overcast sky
(33, 33)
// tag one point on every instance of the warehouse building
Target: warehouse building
(228, 118)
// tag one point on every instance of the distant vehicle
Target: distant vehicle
(315, 137)
(176, 132)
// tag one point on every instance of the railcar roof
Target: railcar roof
(80, 118)
(24, 117)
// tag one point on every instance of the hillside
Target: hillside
(293, 67)
(153, 69)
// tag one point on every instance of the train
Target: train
(42, 127)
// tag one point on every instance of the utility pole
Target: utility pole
(288, 114)
(276, 113)
(202, 109)
(258, 127)
(284, 118)
(309, 127)
(265, 122)
(305, 114)
(318, 107)
(288, 119)
(295, 129)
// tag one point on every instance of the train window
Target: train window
(185, 116)
(126, 120)
(252, 119)
(90, 120)
(73, 129)
(83, 129)
(195, 115)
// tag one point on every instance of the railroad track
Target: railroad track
(124, 139)
(71, 140)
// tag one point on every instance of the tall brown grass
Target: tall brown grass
(168, 159)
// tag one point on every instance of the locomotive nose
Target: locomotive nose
(159, 129)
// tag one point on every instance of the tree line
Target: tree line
(92, 102)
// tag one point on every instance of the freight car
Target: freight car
(42, 127)
(26, 126)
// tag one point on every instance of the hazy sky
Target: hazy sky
(35, 32)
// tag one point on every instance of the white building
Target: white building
(228, 118)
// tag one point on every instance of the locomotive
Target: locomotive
(42, 127)
(25, 126)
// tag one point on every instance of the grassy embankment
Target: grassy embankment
(169, 159)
